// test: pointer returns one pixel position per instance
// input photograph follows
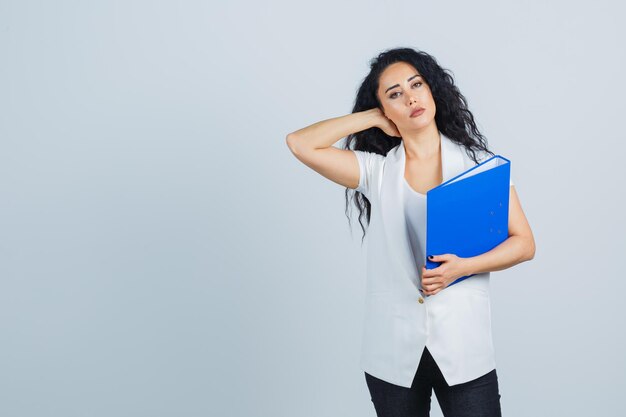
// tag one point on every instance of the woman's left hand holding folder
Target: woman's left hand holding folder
(452, 268)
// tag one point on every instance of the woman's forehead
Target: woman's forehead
(397, 74)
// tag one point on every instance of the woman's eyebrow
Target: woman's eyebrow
(398, 85)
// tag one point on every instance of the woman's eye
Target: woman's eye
(394, 94)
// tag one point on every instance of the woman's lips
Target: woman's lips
(417, 113)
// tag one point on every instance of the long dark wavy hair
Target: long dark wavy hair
(452, 117)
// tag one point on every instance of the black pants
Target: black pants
(479, 397)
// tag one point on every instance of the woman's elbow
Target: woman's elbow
(530, 254)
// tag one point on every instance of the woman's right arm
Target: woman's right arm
(312, 145)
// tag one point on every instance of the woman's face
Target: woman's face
(401, 90)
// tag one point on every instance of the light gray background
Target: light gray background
(164, 254)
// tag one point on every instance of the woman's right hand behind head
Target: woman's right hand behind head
(385, 124)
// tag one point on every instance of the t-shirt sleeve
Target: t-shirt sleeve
(367, 164)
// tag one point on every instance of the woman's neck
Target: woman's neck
(422, 146)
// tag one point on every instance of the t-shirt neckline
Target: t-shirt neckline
(411, 188)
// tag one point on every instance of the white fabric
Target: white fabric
(455, 323)
(415, 212)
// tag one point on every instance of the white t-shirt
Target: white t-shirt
(415, 213)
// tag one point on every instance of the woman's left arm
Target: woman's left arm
(518, 247)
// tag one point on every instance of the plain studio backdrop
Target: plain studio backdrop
(164, 254)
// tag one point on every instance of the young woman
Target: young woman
(411, 130)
